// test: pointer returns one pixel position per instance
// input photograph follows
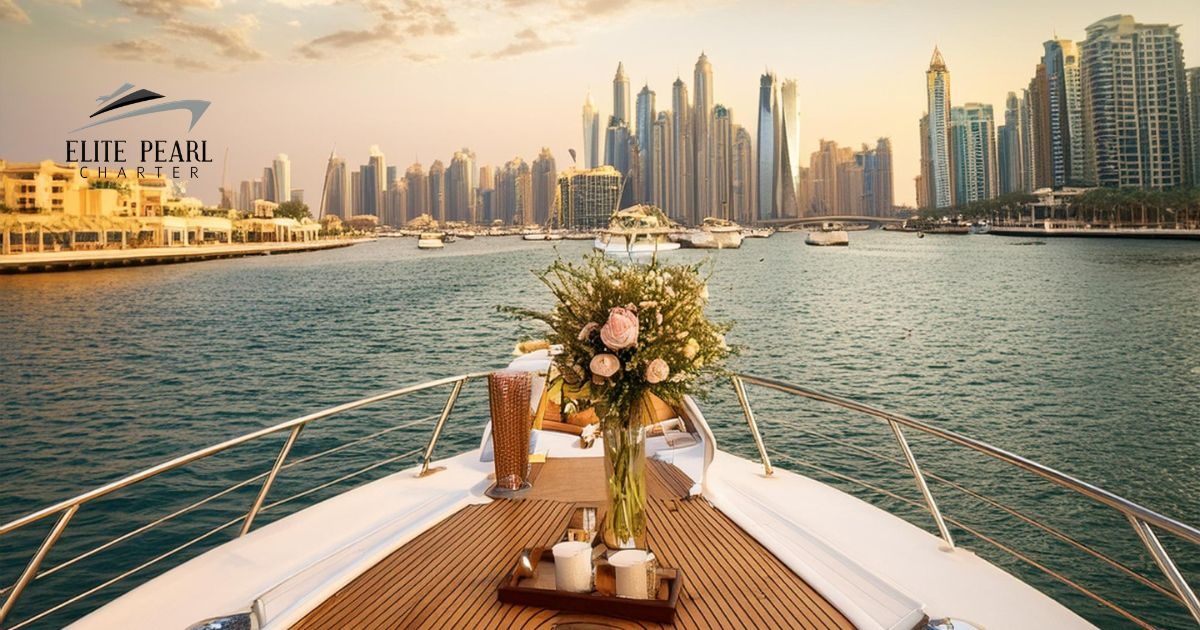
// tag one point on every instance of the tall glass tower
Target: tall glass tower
(789, 150)
(768, 147)
(702, 138)
(591, 134)
(621, 111)
(645, 140)
(937, 90)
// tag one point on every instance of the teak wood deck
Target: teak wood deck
(447, 576)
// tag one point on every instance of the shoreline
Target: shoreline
(1141, 233)
(39, 262)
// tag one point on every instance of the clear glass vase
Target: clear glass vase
(625, 469)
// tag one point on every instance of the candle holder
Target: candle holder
(509, 393)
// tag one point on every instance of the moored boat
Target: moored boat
(713, 233)
(636, 232)
(431, 240)
(830, 234)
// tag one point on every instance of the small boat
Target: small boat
(830, 234)
(980, 227)
(714, 233)
(638, 231)
(431, 240)
(758, 232)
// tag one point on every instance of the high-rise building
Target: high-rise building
(417, 185)
(621, 111)
(682, 188)
(924, 180)
(1010, 165)
(767, 160)
(851, 184)
(247, 196)
(1135, 104)
(589, 197)
(722, 161)
(1026, 136)
(645, 141)
(591, 134)
(1041, 159)
(973, 133)
(1065, 109)
(437, 191)
(661, 162)
(701, 138)
(460, 195)
(544, 181)
(268, 182)
(282, 169)
(1193, 83)
(368, 194)
(878, 199)
(486, 204)
(395, 203)
(515, 193)
(336, 200)
(824, 170)
(789, 149)
(743, 175)
(617, 143)
(380, 173)
(937, 91)
(355, 193)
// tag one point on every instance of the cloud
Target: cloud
(393, 24)
(163, 9)
(232, 41)
(152, 51)
(294, 23)
(10, 12)
(525, 42)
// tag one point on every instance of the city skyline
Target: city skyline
(246, 112)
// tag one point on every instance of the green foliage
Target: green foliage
(293, 210)
(109, 184)
(668, 302)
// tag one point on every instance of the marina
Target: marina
(991, 394)
(74, 260)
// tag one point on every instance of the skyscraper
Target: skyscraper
(826, 191)
(591, 134)
(924, 181)
(789, 150)
(616, 154)
(514, 187)
(645, 140)
(418, 191)
(683, 191)
(1041, 159)
(1193, 83)
(437, 191)
(879, 198)
(661, 163)
(937, 90)
(973, 139)
(544, 180)
(336, 200)
(1064, 107)
(1026, 121)
(268, 182)
(485, 205)
(368, 193)
(621, 111)
(722, 161)
(743, 175)
(355, 193)
(701, 140)
(1010, 165)
(380, 183)
(460, 195)
(282, 168)
(767, 160)
(1135, 104)
(246, 196)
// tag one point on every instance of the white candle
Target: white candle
(573, 566)
(633, 577)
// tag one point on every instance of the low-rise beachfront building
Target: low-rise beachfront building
(51, 206)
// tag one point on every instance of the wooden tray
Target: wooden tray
(539, 591)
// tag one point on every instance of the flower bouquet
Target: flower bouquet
(626, 332)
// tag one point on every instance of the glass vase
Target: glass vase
(625, 469)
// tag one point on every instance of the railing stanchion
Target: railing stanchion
(924, 487)
(36, 561)
(740, 389)
(1165, 563)
(266, 487)
(437, 430)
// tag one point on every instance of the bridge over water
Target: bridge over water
(840, 218)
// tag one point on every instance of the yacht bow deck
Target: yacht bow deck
(447, 576)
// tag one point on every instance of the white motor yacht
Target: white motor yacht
(636, 232)
(829, 234)
(431, 240)
(758, 541)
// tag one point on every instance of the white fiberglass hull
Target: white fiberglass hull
(830, 238)
(618, 247)
(431, 243)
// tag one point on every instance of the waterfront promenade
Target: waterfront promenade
(95, 259)
(1095, 232)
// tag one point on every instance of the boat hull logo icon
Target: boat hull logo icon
(122, 98)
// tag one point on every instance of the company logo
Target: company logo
(122, 98)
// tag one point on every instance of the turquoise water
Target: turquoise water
(1081, 354)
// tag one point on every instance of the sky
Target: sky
(424, 78)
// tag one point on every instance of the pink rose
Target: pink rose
(587, 330)
(605, 365)
(621, 330)
(657, 371)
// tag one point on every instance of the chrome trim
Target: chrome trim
(1140, 517)
(69, 507)
(930, 504)
(437, 429)
(740, 389)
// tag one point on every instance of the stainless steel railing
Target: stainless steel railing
(65, 510)
(1142, 519)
